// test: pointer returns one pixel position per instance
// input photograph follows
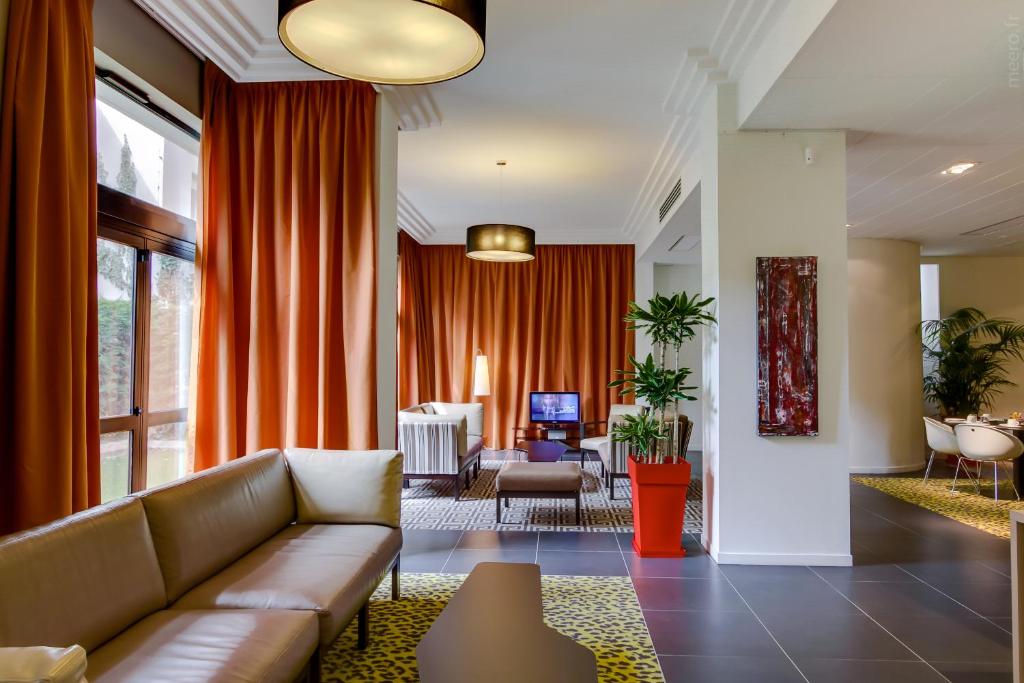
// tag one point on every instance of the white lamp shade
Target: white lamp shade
(481, 377)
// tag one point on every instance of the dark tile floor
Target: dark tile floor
(928, 599)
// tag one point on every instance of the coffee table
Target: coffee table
(544, 451)
(493, 630)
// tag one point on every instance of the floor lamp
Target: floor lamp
(481, 377)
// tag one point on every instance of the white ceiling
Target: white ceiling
(921, 85)
(587, 100)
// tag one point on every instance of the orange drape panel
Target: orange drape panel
(287, 261)
(552, 324)
(49, 372)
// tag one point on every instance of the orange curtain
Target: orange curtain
(287, 262)
(552, 324)
(49, 373)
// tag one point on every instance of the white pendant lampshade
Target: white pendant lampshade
(392, 42)
(481, 377)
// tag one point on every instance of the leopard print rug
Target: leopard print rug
(601, 613)
(963, 504)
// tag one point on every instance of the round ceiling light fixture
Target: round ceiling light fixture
(500, 242)
(391, 42)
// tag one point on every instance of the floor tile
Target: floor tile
(762, 572)
(692, 566)
(702, 669)
(976, 672)
(711, 633)
(463, 561)
(494, 540)
(687, 594)
(578, 540)
(987, 599)
(427, 551)
(859, 671)
(581, 563)
(799, 593)
(908, 599)
(948, 571)
(835, 635)
(875, 570)
(951, 639)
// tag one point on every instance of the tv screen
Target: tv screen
(554, 406)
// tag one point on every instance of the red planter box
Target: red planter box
(659, 502)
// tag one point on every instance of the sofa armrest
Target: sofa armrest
(42, 664)
(346, 487)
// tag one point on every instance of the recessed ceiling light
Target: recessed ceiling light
(848, 225)
(962, 167)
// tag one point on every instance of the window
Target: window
(145, 283)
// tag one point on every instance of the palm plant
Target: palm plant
(967, 354)
(668, 322)
(644, 431)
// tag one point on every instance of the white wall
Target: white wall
(643, 290)
(386, 171)
(779, 500)
(885, 356)
(993, 284)
(669, 280)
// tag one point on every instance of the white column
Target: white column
(777, 500)
(643, 290)
(386, 175)
(885, 356)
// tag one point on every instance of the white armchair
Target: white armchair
(442, 441)
(612, 454)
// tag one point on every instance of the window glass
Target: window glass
(160, 167)
(170, 331)
(115, 465)
(116, 305)
(167, 456)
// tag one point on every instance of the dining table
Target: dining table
(1018, 431)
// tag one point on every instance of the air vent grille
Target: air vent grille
(1010, 228)
(670, 200)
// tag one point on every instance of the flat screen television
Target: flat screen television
(554, 406)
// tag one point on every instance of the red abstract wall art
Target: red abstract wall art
(787, 346)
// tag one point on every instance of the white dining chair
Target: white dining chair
(941, 439)
(984, 444)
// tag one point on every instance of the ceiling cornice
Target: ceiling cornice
(741, 29)
(412, 221)
(220, 32)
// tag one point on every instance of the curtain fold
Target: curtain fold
(551, 324)
(287, 263)
(49, 367)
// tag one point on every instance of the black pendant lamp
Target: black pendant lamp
(500, 242)
(392, 42)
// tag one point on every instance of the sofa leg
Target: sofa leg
(363, 627)
(497, 515)
(313, 668)
(458, 487)
(395, 580)
(577, 508)
(611, 486)
(405, 482)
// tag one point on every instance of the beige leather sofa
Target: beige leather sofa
(242, 572)
(442, 441)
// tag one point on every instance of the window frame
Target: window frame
(148, 229)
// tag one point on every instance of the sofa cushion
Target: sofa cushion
(473, 412)
(80, 580)
(203, 523)
(346, 487)
(593, 443)
(330, 569)
(171, 646)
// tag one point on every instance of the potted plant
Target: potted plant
(658, 471)
(965, 357)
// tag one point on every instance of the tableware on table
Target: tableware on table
(954, 420)
(972, 418)
(1013, 423)
(986, 418)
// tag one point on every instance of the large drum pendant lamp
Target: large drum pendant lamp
(392, 42)
(500, 242)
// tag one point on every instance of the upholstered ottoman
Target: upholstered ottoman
(538, 480)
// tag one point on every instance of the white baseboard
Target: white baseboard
(894, 469)
(810, 560)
